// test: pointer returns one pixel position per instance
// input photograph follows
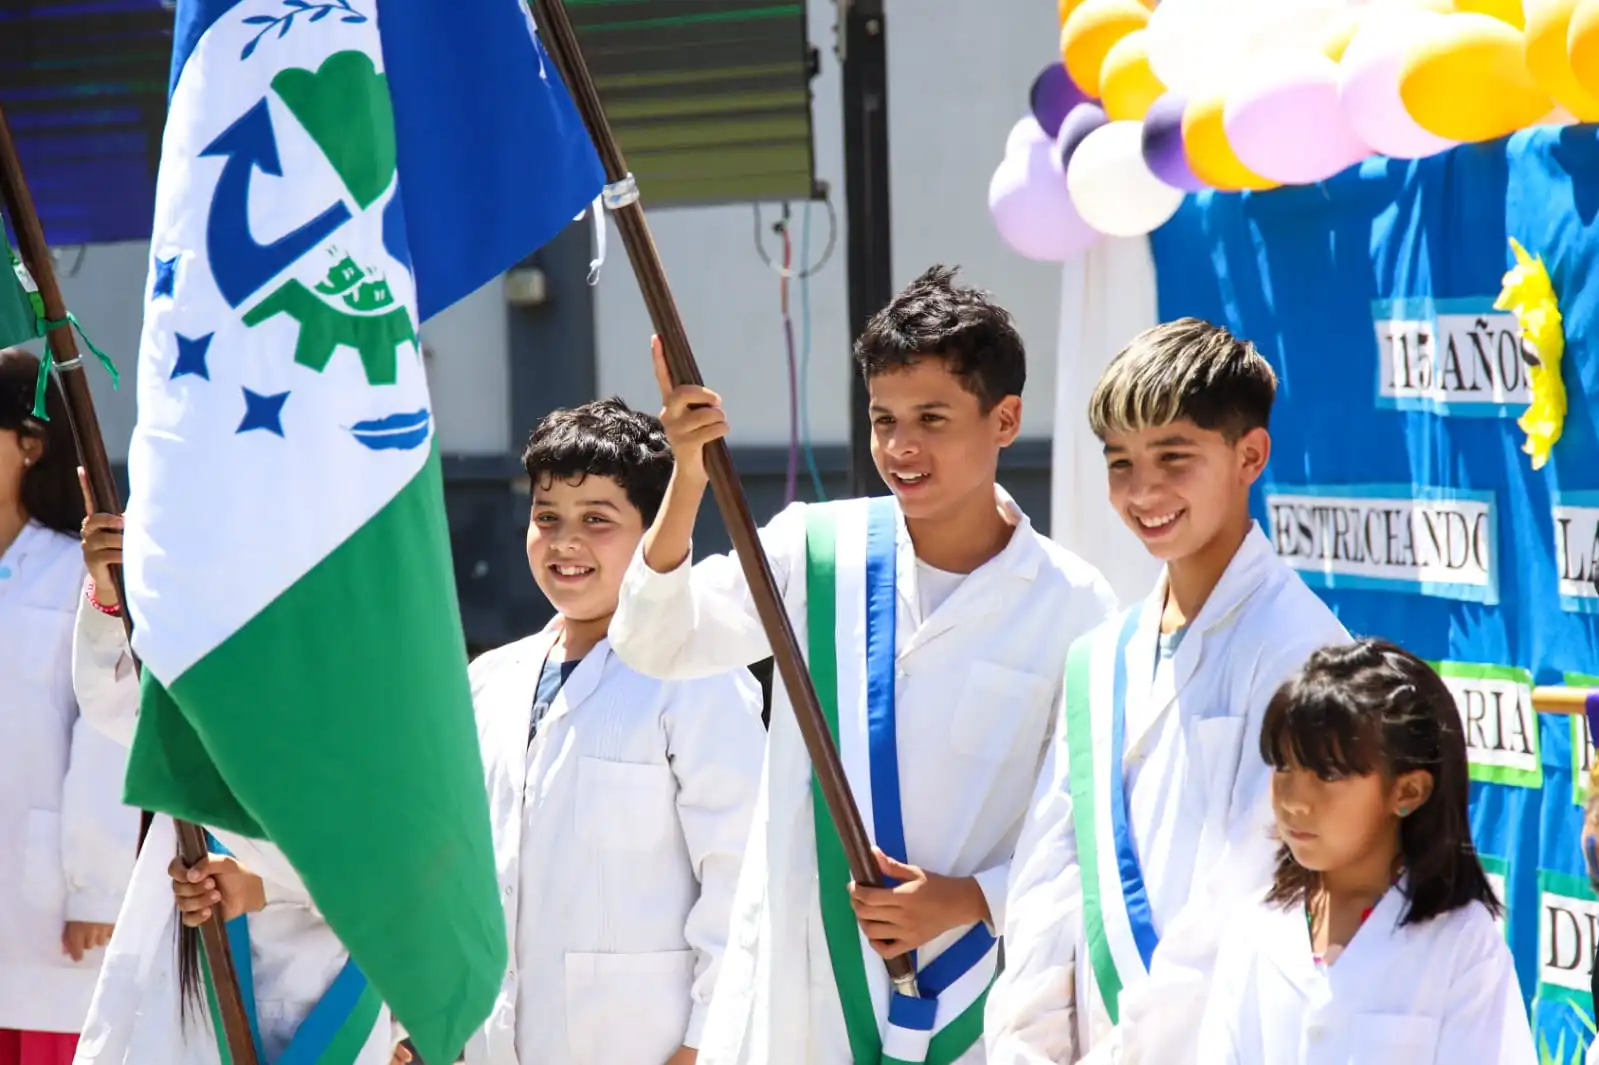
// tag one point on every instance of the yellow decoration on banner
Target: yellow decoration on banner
(1529, 294)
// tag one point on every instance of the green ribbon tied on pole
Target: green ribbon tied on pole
(45, 326)
(23, 318)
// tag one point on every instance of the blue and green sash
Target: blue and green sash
(850, 549)
(1117, 919)
(333, 1033)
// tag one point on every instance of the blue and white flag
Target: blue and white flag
(333, 172)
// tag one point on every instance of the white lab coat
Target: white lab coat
(1213, 823)
(1438, 993)
(977, 688)
(66, 841)
(618, 834)
(134, 1018)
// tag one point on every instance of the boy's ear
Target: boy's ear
(1008, 419)
(1254, 451)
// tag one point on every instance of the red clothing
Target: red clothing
(37, 1048)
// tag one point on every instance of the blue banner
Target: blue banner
(1398, 486)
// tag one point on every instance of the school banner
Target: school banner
(1399, 487)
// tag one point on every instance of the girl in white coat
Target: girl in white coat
(142, 1012)
(66, 840)
(1376, 942)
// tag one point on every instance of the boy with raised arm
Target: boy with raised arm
(936, 622)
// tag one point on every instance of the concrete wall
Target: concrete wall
(958, 79)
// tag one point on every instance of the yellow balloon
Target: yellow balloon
(1064, 8)
(1582, 46)
(1548, 24)
(1340, 30)
(1467, 80)
(1093, 27)
(1507, 11)
(1210, 157)
(1126, 84)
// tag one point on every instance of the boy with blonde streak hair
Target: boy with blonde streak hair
(1152, 815)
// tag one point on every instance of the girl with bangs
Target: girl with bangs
(1376, 943)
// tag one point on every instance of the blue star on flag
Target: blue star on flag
(166, 278)
(191, 357)
(263, 412)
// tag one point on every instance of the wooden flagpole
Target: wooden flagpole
(35, 255)
(556, 30)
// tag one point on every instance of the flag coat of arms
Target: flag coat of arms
(332, 173)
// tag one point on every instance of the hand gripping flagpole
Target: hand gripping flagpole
(621, 198)
(35, 255)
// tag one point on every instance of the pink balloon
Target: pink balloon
(1284, 121)
(1031, 208)
(1368, 84)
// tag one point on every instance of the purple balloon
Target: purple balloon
(1163, 143)
(1079, 123)
(1053, 96)
(1033, 211)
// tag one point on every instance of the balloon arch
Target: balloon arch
(1152, 101)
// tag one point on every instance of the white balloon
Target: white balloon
(1290, 25)
(1194, 44)
(1198, 46)
(1023, 135)
(1112, 186)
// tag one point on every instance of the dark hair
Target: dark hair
(605, 438)
(50, 491)
(1373, 707)
(934, 316)
(1184, 369)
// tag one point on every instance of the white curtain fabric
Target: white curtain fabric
(1106, 298)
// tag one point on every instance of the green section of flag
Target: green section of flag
(337, 723)
(19, 321)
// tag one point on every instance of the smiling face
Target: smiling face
(1179, 487)
(933, 444)
(580, 539)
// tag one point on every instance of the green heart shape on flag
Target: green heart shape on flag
(345, 107)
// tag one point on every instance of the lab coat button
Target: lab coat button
(510, 889)
(1314, 1033)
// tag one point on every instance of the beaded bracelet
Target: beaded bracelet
(109, 611)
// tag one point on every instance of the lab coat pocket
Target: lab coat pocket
(1002, 713)
(1396, 1037)
(44, 885)
(1219, 744)
(37, 649)
(623, 1009)
(625, 806)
